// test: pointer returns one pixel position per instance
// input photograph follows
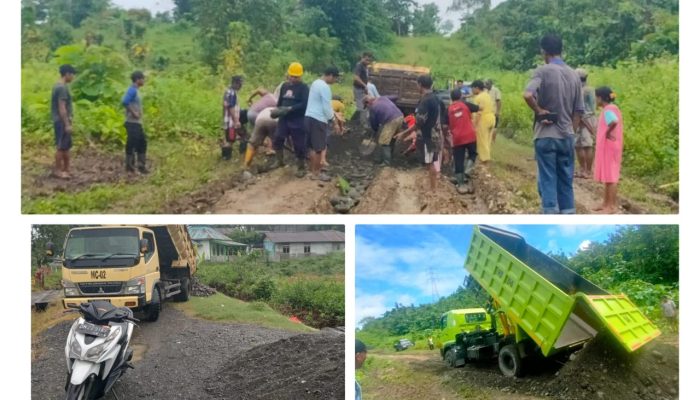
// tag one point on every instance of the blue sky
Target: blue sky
(392, 262)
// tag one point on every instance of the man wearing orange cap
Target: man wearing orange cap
(291, 108)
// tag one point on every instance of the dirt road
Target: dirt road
(596, 372)
(173, 357)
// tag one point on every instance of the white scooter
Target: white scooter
(97, 349)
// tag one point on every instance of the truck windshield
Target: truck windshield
(102, 247)
(474, 318)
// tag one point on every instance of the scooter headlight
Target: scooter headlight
(75, 348)
(94, 353)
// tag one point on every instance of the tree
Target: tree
(446, 27)
(183, 10)
(399, 12)
(43, 234)
(426, 20)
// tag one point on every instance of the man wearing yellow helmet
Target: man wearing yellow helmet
(291, 108)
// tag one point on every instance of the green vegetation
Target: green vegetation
(651, 136)
(189, 58)
(223, 308)
(312, 289)
(391, 378)
(639, 261)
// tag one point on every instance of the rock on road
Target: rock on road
(173, 357)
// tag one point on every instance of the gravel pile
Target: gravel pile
(308, 366)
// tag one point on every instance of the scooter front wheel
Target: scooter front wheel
(76, 392)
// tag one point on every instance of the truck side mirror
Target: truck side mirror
(49, 249)
(143, 245)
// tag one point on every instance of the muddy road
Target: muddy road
(596, 372)
(174, 358)
(507, 186)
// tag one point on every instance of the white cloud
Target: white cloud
(407, 266)
(370, 306)
(585, 245)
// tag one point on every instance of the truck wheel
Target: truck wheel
(509, 361)
(153, 309)
(449, 357)
(184, 294)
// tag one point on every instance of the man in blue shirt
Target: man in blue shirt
(135, 136)
(319, 114)
(555, 95)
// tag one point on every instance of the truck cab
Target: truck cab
(129, 266)
(466, 320)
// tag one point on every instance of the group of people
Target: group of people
(565, 126)
(62, 117)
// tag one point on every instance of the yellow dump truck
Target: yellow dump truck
(137, 266)
(398, 81)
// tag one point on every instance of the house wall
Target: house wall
(296, 250)
(206, 251)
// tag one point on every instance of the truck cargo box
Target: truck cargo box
(548, 302)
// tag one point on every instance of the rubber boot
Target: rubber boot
(130, 163)
(301, 168)
(461, 187)
(142, 163)
(279, 160)
(386, 155)
(242, 146)
(469, 168)
(249, 154)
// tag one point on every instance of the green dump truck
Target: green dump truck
(543, 307)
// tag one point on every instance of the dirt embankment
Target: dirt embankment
(309, 366)
(600, 371)
(176, 357)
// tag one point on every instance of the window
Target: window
(307, 248)
(151, 248)
(443, 322)
(285, 249)
(474, 318)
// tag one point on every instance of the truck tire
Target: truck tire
(153, 309)
(185, 286)
(509, 361)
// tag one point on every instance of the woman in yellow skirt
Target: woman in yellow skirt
(485, 120)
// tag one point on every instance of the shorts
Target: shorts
(64, 141)
(316, 132)
(584, 138)
(388, 130)
(261, 131)
(432, 157)
(251, 116)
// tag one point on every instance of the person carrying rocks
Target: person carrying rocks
(291, 109)
(386, 119)
(429, 119)
(360, 86)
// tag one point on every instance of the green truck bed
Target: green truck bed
(548, 302)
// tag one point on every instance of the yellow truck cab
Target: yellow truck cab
(130, 266)
(465, 320)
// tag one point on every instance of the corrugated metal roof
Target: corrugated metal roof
(305, 237)
(199, 233)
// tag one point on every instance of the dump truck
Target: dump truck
(136, 266)
(398, 81)
(543, 307)
(466, 320)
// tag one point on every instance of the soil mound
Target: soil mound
(308, 366)
(602, 370)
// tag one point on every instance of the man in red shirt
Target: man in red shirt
(463, 139)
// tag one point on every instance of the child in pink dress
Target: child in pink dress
(608, 148)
